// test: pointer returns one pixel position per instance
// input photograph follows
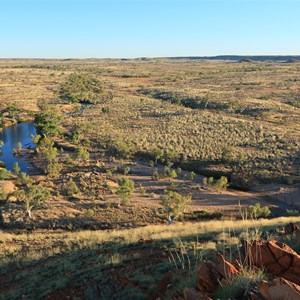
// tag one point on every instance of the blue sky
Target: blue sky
(120, 28)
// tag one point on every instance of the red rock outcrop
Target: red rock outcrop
(208, 278)
(279, 289)
(277, 258)
(223, 267)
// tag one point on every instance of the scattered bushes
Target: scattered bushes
(257, 211)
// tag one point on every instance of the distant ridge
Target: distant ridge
(237, 58)
(244, 58)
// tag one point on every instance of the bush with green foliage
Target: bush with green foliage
(3, 195)
(4, 174)
(48, 123)
(33, 196)
(174, 204)
(47, 149)
(126, 170)
(82, 154)
(221, 184)
(125, 189)
(257, 211)
(72, 188)
(81, 88)
(16, 168)
(25, 179)
(292, 212)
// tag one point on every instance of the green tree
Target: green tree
(125, 189)
(173, 174)
(54, 168)
(82, 153)
(157, 153)
(33, 196)
(155, 174)
(221, 183)
(81, 88)
(174, 204)
(257, 211)
(211, 181)
(72, 188)
(47, 149)
(48, 123)
(25, 179)
(4, 174)
(16, 168)
(192, 176)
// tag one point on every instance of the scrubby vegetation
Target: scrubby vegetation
(81, 88)
(129, 146)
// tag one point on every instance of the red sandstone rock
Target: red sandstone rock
(224, 268)
(279, 289)
(208, 278)
(277, 258)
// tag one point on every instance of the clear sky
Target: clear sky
(121, 28)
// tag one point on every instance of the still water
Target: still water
(10, 137)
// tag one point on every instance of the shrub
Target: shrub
(241, 286)
(192, 176)
(82, 154)
(126, 170)
(16, 168)
(257, 211)
(143, 190)
(292, 212)
(81, 88)
(3, 195)
(221, 183)
(48, 123)
(155, 174)
(33, 196)
(125, 189)
(173, 174)
(54, 168)
(90, 212)
(174, 204)
(72, 188)
(4, 174)
(25, 179)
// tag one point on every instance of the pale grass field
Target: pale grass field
(154, 232)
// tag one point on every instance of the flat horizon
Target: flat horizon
(156, 57)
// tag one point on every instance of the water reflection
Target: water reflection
(11, 136)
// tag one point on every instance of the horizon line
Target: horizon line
(153, 57)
